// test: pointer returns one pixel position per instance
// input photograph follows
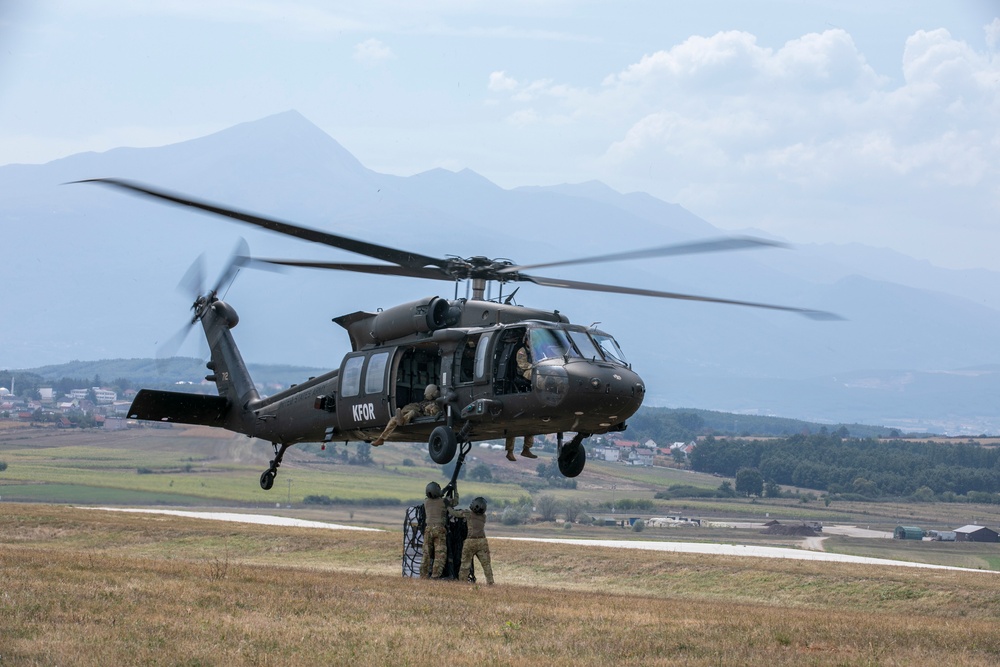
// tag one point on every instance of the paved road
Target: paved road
(816, 543)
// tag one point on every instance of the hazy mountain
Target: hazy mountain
(90, 274)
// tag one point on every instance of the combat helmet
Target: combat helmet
(433, 490)
(478, 505)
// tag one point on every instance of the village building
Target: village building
(973, 533)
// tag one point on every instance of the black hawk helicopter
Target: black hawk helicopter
(576, 379)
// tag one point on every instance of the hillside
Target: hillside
(916, 349)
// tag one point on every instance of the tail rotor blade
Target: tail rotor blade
(193, 281)
(237, 260)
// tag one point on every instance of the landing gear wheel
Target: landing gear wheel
(573, 457)
(442, 445)
(267, 477)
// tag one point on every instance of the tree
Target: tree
(3, 466)
(864, 487)
(481, 473)
(749, 482)
(726, 490)
(572, 509)
(364, 457)
(548, 507)
(772, 490)
(548, 470)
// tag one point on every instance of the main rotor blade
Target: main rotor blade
(400, 257)
(379, 269)
(713, 245)
(597, 287)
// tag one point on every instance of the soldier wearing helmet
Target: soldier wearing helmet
(435, 538)
(404, 415)
(475, 542)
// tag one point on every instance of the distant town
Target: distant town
(86, 407)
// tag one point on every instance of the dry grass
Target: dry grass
(93, 588)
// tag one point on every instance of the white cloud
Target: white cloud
(993, 34)
(372, 52)
(501, 83)
(729, 128)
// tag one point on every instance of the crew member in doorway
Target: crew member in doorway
(427, 407)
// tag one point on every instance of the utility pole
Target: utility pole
(289, 490)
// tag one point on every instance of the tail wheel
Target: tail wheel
(442, 445)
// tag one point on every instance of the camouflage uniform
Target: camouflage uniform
(475, 545)
(526, 452)
(524, 369)
(435, 538)
(523, 363)
(403, 415)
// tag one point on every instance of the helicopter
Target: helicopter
(577, 379)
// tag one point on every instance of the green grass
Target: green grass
(89, 495)
(212, 469)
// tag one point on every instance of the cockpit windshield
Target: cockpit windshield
(585, 345)
(555, 343)
(609, 346)
(551, 344)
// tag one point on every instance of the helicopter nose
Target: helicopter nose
(600, 394)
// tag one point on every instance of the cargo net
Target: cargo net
(413, 544)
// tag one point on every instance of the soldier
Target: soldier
(526, 452)
(435, 537)
(475, 542)
(523, 361)
(428, 407)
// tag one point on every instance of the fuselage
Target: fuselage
(513, 372)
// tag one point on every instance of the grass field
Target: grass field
(88, 587)
(202, 467)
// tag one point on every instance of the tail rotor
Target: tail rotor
(192, 284)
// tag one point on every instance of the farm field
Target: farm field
(194, 467)
(90, 587)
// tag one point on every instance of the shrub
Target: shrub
(515, 514)
(639, 525)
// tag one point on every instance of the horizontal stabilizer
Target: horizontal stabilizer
(177, 407)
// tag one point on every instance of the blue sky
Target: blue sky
(876, 123)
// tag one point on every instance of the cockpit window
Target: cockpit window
(585, 345)
(609, 346)
(550, 344)
(556, 343)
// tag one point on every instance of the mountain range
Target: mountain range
(90, 273)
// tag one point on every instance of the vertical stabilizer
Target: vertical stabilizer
(229, 372)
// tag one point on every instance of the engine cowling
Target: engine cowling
(421, 316)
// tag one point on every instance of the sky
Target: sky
(817, 122)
